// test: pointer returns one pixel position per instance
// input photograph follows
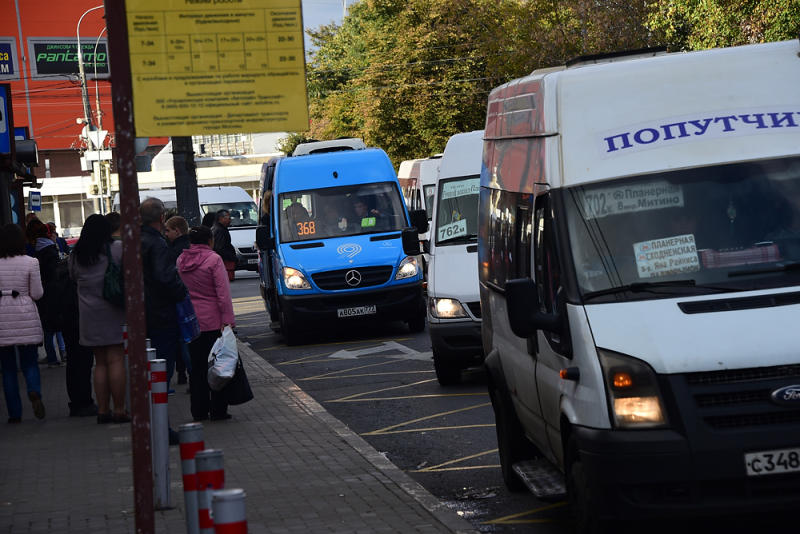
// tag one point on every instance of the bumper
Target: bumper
(391, 304)
(246, 261)
(657, 473)
(459, 343)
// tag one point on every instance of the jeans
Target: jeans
(165, 341)
(49, 347)
(28, 355)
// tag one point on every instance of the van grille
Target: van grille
(741, 398)
(475, 308)
(370, 276)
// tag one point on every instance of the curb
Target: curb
(434, 506)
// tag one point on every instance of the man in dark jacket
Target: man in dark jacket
(222, 242)
(163, 288)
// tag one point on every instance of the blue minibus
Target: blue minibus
(329, 241)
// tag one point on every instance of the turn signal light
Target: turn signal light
(622, 380)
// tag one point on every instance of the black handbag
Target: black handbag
(113, 288)
(237, 390)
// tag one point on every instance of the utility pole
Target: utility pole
(185, 180)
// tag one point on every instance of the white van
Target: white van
(639, 248)
(417, 179)
(454, 310)
(244, 216)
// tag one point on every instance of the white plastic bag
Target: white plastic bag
(222, 360)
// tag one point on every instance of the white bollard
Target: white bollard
(159, 427)
(191, 436)
(228, 511)
(210, 476)
(151, 355)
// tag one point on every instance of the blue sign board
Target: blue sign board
(35, 200)
(5, 123)
(20, 133)
(8, 68)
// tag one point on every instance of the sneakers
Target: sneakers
(14, 420)
(38, 405)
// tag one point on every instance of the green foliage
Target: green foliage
(405, 75)
(698, 24)
(288, 143)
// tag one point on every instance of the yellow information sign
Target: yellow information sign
(217, 66)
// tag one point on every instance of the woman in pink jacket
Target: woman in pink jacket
(20, 286)
(204, 275)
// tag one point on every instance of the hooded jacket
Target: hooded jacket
(203, 272)
(19, 320)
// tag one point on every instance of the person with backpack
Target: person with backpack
(100, 321)
(47, 254)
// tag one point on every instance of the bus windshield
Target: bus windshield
(341, 211)
(457, 210)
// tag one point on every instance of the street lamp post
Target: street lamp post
(87, 110)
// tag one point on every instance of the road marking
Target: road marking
(362, 375)
(451, 462)
(405, 397)
(434, 429)
(357, 395)
(426, 418)
(513, 519)
(284, 347)
(406, 353)
(340, 371)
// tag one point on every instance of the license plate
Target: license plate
(252, 261)
(772, 462)
(358, 310)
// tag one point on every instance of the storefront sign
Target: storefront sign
(9, 69)
(57, 58)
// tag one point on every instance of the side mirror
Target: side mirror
(410, 240)
(426, 246)
(419, 220)
(522, 305)
(263, 240)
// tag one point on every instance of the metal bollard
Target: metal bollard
(151, 355)
(228, 511)
(191, 435)
(160, 433)
(210, 476)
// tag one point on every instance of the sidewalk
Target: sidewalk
(302, 469)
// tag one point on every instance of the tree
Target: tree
(406, 75)
(698, 24)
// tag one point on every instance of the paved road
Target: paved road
(379, 380)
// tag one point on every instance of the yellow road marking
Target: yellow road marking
(463, 459)
(404, 397)
(430, 429)
(426, 418)
(356, 395)
(340, 371)
(361, 375)
(462, 468)
(513, 519)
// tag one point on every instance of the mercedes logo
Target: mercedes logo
(352, 277)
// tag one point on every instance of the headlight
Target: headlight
(447, 308)
(633, 391)
(294, 279)
(407, 269)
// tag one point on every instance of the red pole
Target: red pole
(122, 98)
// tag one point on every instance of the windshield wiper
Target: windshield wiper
(792, 266)
(640, 287)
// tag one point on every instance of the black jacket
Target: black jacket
(180, 244)
(47, 305)
(163, 287)
(222, 242)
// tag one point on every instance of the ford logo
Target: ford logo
(789, 395)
